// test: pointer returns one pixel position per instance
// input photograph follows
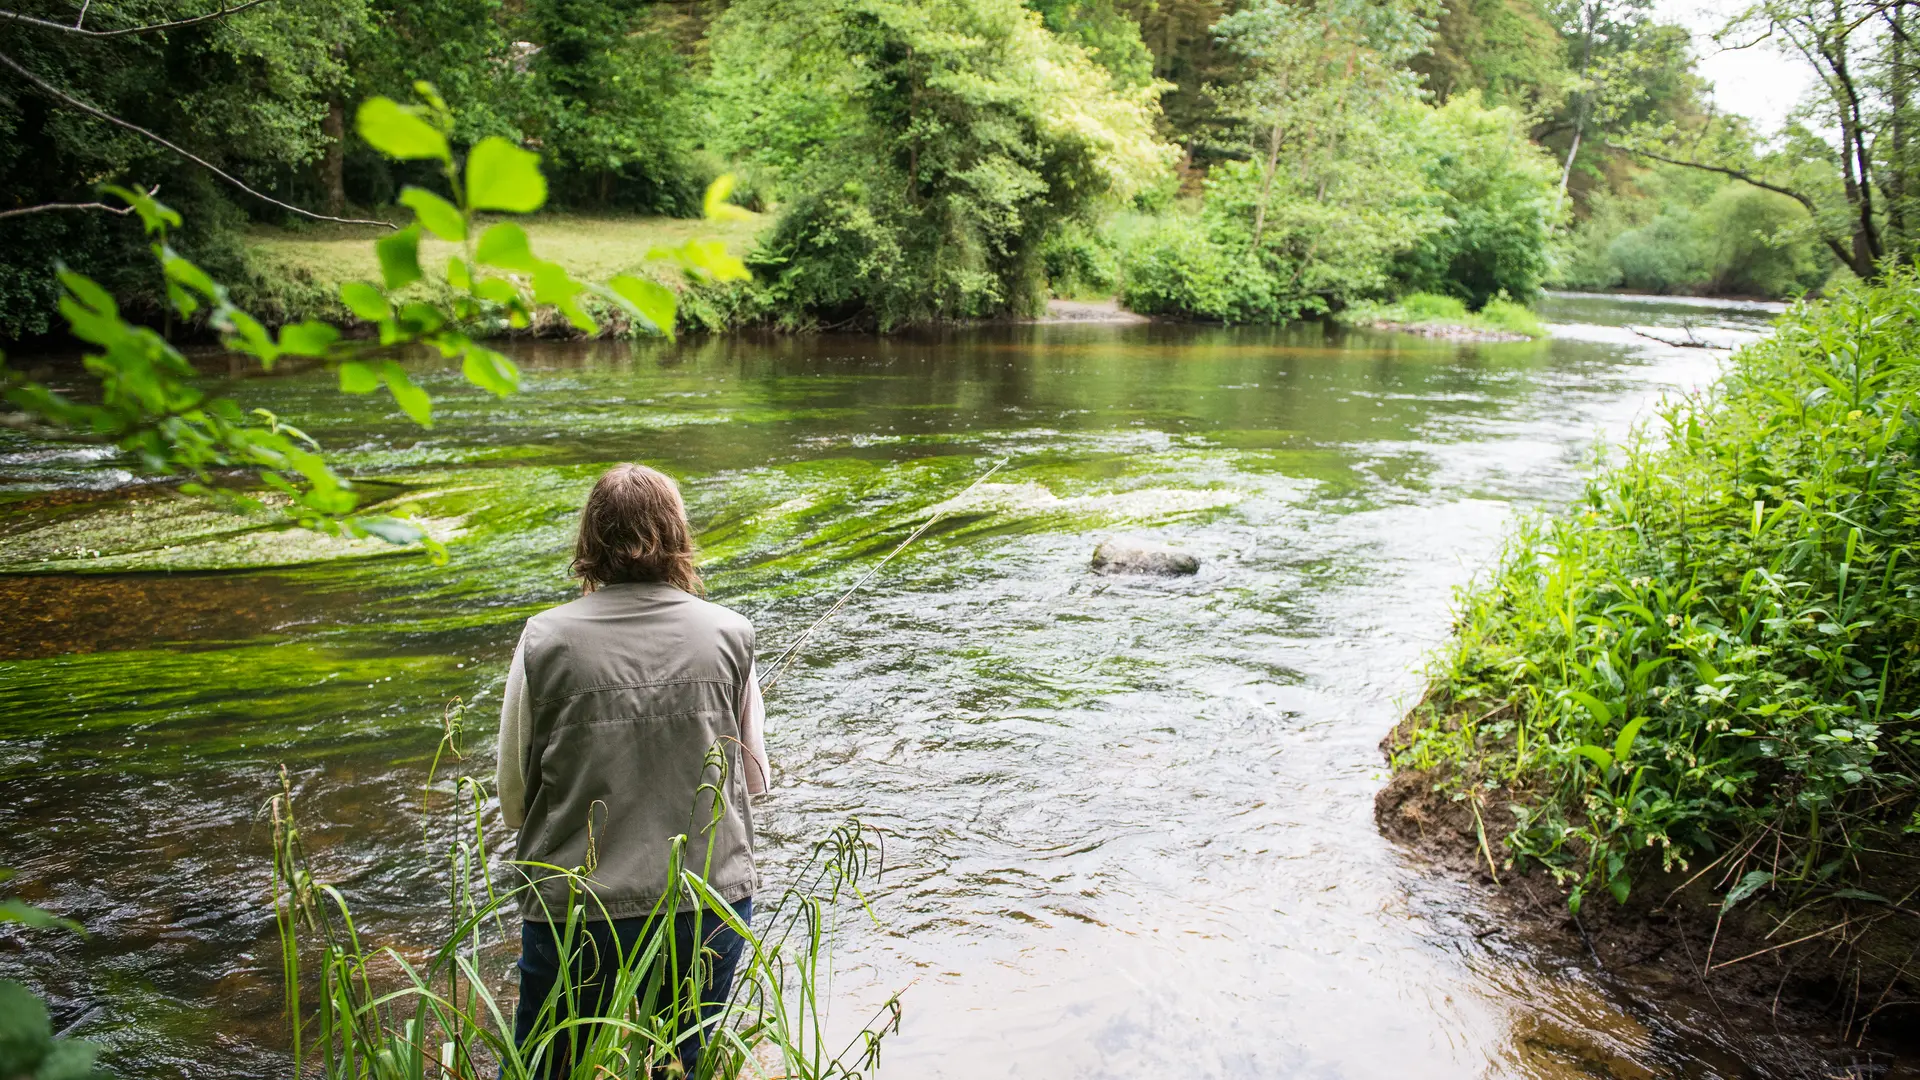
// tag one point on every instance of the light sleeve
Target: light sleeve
(516, 733)
(753, 735)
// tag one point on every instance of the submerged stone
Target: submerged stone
(1143, 557)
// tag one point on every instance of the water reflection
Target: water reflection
(1129, 820)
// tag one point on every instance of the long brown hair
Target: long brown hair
(634, 528)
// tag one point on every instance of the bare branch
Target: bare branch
(151, 28)
(1833, 245)
(20, 211)
(56, 93)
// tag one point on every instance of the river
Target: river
(1129, 820)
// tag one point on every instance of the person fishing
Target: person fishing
(625, 711)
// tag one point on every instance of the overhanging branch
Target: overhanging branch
(41, 208)
(151, 28)
(57, 94)
(1745, 177)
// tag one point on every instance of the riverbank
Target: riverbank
(1825, 988)
(1683, 712)
(1429, 315)
(297, 273)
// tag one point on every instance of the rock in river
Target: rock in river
(1143, 557)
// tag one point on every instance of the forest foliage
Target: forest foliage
(967, 158)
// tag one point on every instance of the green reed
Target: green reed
(383, 1014)
(1716, 653)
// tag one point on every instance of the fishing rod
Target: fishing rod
(785, 660)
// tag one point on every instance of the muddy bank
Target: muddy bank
(1830, 988)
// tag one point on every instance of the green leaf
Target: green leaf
(459, 274)
(501, 176)
(19, 911)
(442, 218)
(184, 272)
(1596, 755)
(407, 394)
(399, 257)
(422, 318)
(651, 300)
(706, 258)
(716, 207)
(309, 338)
(154, 215)
(490, 371)
(1619, 885)
(505, 246)
(1750, 884)
(399, 132)
(393, 530)
(365, 300)
(1858, 894)
(1623, 745)
(358, 378)
(1600, 710)
(553, 285)
(498, 290)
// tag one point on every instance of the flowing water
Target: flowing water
(1129, 820)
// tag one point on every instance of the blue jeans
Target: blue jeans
(594, 957)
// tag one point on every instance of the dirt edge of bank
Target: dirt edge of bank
(1850, 995)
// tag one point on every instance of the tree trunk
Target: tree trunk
(333, 161)
(1895, 182)
(1580, 110)
(1266, 184)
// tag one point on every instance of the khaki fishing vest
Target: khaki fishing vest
(636, 691)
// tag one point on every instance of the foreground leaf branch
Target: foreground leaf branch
(145, 397)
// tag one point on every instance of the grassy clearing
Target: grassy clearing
(1446, 316)
(298, 272)
(1713, 660)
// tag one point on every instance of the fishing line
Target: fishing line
(786, 658)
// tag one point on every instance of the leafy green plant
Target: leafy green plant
(148, 401)
(1716, 654)
(28, 1048)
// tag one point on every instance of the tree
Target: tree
(939, 145)
(1861, 54)
(1110, 35)
(610, 100)
(1624, 69)
(1509, 50)
(244, 108)
(1311, 66)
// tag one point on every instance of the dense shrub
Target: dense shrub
(1494, 189)
(1721, 641)
(1175, 268)
(1078, 259)
(1690, 232)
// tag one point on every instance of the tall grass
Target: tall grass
(358, 1013)
(1715, 655)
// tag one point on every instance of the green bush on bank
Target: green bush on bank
(1500, 315)
(1690, 232)
(1720, 644)
(1451, 200)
